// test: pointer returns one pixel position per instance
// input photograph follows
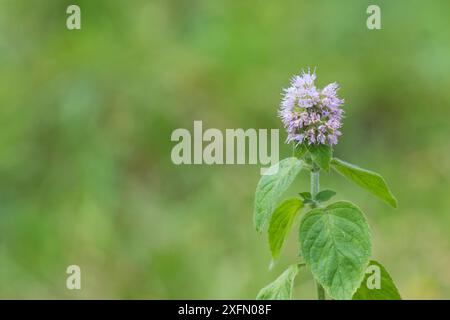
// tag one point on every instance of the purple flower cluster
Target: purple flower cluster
(309, 114)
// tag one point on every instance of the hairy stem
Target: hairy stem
(314, 191)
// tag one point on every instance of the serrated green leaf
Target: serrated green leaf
(377, 285)
(321, 154)
(281, 223)
(325, 195)
(281, 288)
(369, 180)
(335, 243)
(270, 188)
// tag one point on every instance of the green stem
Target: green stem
(314, 191)
(314, 183)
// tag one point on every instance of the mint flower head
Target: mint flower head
(311, 115)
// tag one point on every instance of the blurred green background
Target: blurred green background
(86, 116)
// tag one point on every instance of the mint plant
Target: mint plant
(334, 238)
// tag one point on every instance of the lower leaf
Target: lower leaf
(281, 288)
(281, 223)
(377, 285)
(335, 244)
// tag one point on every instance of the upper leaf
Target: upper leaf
(377, 285)
(325, 195)
(321, 154)
(335, 243)
(270, 187)
(369, 180)
(281, 288)
(281, 223)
